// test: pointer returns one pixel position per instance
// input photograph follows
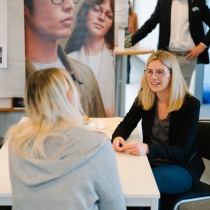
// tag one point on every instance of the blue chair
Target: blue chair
(202, 190)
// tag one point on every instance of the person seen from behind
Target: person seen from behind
(55, 163)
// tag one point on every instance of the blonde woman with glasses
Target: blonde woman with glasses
(169, 116)
(54, 162)
(46, 22)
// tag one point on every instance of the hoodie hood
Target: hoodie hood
(65, 153)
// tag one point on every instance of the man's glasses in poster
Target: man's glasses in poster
(58, 2)
(98, 11)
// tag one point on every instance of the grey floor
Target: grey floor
(137, 68)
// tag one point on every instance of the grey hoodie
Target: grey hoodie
(81, 174)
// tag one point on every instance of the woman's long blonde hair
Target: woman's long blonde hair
(178, 87)
(47, 107)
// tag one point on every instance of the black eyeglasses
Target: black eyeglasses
(58, 2)
(158, 73)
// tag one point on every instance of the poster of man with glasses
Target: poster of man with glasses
(92, 43)
(47, 21)
(3, 35)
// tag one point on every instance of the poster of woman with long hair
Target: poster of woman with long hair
(92, 43)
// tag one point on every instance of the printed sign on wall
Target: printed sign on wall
(92, 43)
(121, 10)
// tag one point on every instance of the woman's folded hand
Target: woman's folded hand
(119, 144)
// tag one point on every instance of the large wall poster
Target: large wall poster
(90, 43)
(3, 34)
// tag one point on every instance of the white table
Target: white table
(138, 183)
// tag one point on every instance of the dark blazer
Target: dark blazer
(182, 130)
(162, 15)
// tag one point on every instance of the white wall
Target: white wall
(144, 9)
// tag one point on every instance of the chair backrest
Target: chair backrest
(203, 139)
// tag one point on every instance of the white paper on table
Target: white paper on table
(99, 126)
(3, 34)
